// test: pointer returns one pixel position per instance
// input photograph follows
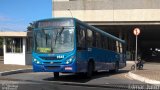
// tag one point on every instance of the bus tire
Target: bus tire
(90, 68)
(56, 74)
(116, 69)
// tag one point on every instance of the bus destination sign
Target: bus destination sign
(54, 23)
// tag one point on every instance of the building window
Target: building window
(14, 45)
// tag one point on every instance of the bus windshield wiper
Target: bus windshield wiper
(58, 34)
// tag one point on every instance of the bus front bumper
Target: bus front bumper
(50, 68)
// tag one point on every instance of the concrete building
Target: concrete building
(17, 47)
(119, 17)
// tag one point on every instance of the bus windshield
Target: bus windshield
(58, 40)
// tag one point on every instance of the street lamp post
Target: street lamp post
(70, 12)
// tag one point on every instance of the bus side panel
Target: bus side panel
(102, 59)
(105, 59)
(81, 58)
(98, 58)
(122, 62)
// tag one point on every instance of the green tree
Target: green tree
(30, 27)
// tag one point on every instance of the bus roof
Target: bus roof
(86, 25)
(50, 19)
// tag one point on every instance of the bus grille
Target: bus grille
(50, 58)
(52, 67)
(55, 63)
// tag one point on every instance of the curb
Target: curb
(15, 71)
(143, 79)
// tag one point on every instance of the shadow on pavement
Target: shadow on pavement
(81, 78)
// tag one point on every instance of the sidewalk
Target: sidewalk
(11, 69)
(150, 74)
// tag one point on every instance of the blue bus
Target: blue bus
(68, 45)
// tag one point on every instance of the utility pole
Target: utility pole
(70, 12)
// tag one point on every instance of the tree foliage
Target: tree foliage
(30, 27)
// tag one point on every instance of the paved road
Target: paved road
(46, 81)
(21, 85)
(100, 80)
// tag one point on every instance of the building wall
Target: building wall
(14, 58)
(108, 10)
(28, 59)
(28, 55)
(17, 58)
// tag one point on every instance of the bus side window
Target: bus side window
(107, 43)
(103, 42)
(121, 48)
(81, 38)
(98, 40)
(117, 47)
(89, 38)
(112, 45)
(94, 39)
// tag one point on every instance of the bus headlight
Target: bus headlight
(70, 60)
(36, 61)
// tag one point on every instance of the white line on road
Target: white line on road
(106, 83)
(126, 75)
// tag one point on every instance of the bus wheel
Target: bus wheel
(116, 69)
(56, 74)
(89, 70)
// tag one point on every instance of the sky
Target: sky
(15, 15)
